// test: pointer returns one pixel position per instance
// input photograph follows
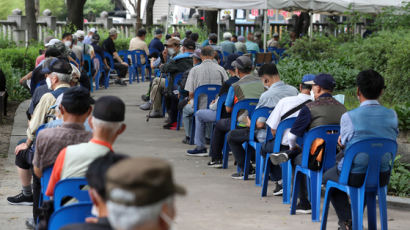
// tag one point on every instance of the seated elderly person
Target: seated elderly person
(141, 194)
(227, 45)
(203, 116)
(107, 124)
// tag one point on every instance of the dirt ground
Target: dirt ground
(5, 129)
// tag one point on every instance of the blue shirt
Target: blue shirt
(228, 46)
(230, 97)
(156, 46)
(252, 46)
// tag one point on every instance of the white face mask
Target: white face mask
(171, 223)
(67, 44)
(171, 51)
(48, 81)
(312, 95)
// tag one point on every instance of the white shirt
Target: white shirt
(283, 106)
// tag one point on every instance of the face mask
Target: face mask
(171, 51)
(171, 223)
(67, 44)
(266, 87)
(312, 95)
(48, 81)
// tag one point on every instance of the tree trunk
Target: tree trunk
(150, 14)
(211, 21)
(31, 20)
(75, 10)
(37, 6)
(138, 12)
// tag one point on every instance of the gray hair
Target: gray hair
(113, 126)
(227, 35)
(66, 78)
(128, 217)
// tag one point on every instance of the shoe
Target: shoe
(198, 152)
(207, 141)
(119, 82)
(278, 190)
(146, 106)
(186, 140)
(345, 225)
(172, 126)
(278, 158)
(20, 199)
(155, 115)
(30, 223)
(166, 121)
(237, 176)
(145, 97)
(215, 164)
(304, 208)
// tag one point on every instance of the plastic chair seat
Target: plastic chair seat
(70, 214)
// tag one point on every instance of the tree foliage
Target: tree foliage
(98, 6)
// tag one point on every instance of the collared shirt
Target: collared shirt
(208, 72)
(73, 161)
(273, 43)
(156, 46)
(138, 44)
(102, 224)
(283, 106)
(252, 46)
(50, 142)
(228, 46)
(40, 112)
(241, 47)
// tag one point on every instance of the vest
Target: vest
(248, 87)
(372, 121)
(79, 157)
(325, 111)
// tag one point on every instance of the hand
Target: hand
(339, 142)
(213, 101)
(92, 220)
(22, 81)
(124, 63)
(22, 146)
(248, 122)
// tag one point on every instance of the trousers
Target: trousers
(202, 116)
(218, 138)
(156, 98)
(235, 140)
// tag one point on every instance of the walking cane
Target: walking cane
(155, 96)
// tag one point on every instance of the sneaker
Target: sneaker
(215, 164)
(20, 199)
(303, 208)
(279, 158)
(198, 152)
(237, 176)
(145, 97)
(120, 82)
(345, 225)
(155, 115)
(172, 125)
(278, 190)
(146, 106)
(252, 173)
(186, 141)
(30, 223)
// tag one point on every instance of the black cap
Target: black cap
(95, 37)
(228, 63)
(109, 108)
(326, 81)
(188, 43)
(58, 65)
(77, 100)
(158, 31)
(52, 52)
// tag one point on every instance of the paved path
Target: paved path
(214, 200)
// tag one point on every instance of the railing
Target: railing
(7, 29)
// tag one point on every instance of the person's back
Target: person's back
(228, 46)
(241, 46)
(138, 43)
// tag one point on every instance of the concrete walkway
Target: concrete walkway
(214, 200)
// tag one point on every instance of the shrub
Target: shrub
(400, 178)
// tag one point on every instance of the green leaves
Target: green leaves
(400, 178)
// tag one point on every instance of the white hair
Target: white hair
(227, 35)
(128, 217)
(113, 126)
(66, 78)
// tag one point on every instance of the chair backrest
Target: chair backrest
(41, 127)
(124, 54)
(70, 214)
(340, 98)
(177, 78)
(240, 53)
(330, 134)
(110, 59)
(87, 59)
(220, 106)
(45, 178)
(221, 57)
(280, 130)
(209, 90)
(71, 187)
(258, 113)
(100, 60)
(375, 148)
(136, 56)
(246, 104)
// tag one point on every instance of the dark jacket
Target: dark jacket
(175, 66)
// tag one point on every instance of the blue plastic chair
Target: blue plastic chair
(277, 53)
(87, 59)
(137, 62)
(70, 214)
(100, 72)
(258, 113)
(375, 148)
(246, 104)
(330, 134)
(253, 54)
(177, 78)
(44, 184)
(240, 53)
(210, 91)
(112, 67)
(221, 57)
(220, 106)
(71, 187)
(131, 70)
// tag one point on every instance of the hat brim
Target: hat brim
(309, 82)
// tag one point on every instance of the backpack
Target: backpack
(317, 150)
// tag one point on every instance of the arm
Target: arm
(230, 100)
(56, 173)
(346, 129)
(298, 129)
(28, 76)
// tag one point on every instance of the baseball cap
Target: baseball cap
(172, 41)
(109, 108)
(141, 181)
(241, 38)
(158, 31)
(228, 63)
(52, 52)
(93, 30)
(77, 100)
(95, 38)
(188, 43)
(52, 42)
(57, 65)
(308, 78)
(323, 80)
(80, 34)
(197, 53)
(47, 40)
(112, 31)
(242, 62)
(275, 35)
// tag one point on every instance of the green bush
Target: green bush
(400, 178)
(403, 114)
